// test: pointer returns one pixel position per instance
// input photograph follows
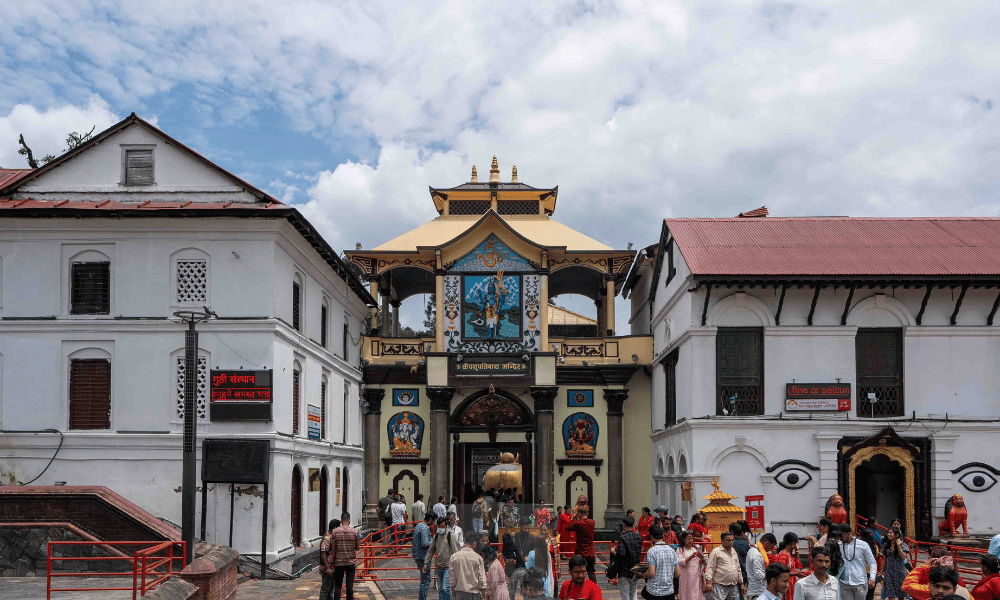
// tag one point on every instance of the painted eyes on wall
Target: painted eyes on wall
(795, 475)
(979, 478)
(977, 481)
(793, 478)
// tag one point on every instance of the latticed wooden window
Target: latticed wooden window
(296, 308)
(670, 381)
(347, 409)
(739, 355)
(879, 358)
(192, 282)
(90, 394)
(323, 315)
(295, 401)
(90, 288)
(518, 207)
(201, 387)
(469, 207)
(322, 410)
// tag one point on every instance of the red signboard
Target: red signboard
(755, 518)
(818, 396)
(755, 498)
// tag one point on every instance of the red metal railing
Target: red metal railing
(146, 564)
(964, 564)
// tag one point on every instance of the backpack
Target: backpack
(477, 509)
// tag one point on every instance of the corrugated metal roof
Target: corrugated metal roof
(9, 176)
(538, 228)
(833, 246)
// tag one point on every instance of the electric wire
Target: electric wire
(58, 448)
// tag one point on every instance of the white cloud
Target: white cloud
(45, 131)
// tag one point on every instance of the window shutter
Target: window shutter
(347, 408)
(347, 337)
(739, 371)
(90, 292)
(138, 167)
(295, 402)
(322, 325)
(296, 294)
(670, 380)
(322, 410)
(90, 394)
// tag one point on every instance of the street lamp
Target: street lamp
(189, 479)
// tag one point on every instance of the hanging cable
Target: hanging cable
(58, 448)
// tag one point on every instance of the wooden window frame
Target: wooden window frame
(80, 422)
(671, 269)
(128, 148)
(347, 409)
(324, 318)
(863, 408)
(322, 408)
(670, 388)
(73, 293)
(724, 382)
(297, 305)
(296, 395)
(347, 336)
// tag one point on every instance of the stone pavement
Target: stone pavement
(305, 587)
(33, 588)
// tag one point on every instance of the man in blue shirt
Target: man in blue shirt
(995, 546)
(422, 538)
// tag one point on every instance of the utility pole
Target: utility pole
(189, 479)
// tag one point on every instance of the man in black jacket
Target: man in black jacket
(628, 553)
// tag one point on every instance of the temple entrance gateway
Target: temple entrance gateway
(887, 477)
(473, 459)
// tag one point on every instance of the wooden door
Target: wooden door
(324, 497)
(296, 512)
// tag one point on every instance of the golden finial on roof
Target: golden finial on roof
(513, 176)
(475, 176)
(495, 171)
(715, 483)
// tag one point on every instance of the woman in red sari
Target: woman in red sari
(697, 527)
(788, 555)
(645, 522)
(542, 514)
(567, 539)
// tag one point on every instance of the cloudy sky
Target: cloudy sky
(636, 110)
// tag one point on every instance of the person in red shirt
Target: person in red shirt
(988, 587)
(583, 526)
(579, 586)
(542, 514)
(645, 522)
(567, 539)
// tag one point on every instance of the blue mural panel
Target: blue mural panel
(580, 433)
(491, 307)
(406, 433)
(490, 256)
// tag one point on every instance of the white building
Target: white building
(99, 248)
(747, 312)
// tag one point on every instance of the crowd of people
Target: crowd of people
(506, 551)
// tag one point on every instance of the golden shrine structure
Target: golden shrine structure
(501, 372)
(720, 512)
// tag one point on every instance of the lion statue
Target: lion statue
(955, 517)
(835, 510)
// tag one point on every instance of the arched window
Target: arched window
(297, 302)
(90, 389)
(90, 283)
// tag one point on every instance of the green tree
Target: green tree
(430, 314)
(73, 140)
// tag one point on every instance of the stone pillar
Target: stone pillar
(395, 319)
(373, 430)
(616, 504)
(609, 300)
(373, 311)
(440, 398)
(385, 330)
(439, 311)
(544, 397)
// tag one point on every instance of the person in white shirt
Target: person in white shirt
(418, 509)
(777, 576)
(820, 585)
(440, 509)
(397, 510)
(859, 566)
(454, 528)
(756, 565)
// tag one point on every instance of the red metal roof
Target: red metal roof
(9, 176)
(838, 246)
(114, 205)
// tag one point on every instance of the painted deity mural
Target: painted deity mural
(406, 434)
(492, 307)
(490, 256)
(580, 434)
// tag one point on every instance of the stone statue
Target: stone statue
(835, 510)
(955, 516)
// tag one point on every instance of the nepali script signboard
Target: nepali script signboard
(315, 422)
(755, 514)
(481, 369)
(241, 395)
(818, 396)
